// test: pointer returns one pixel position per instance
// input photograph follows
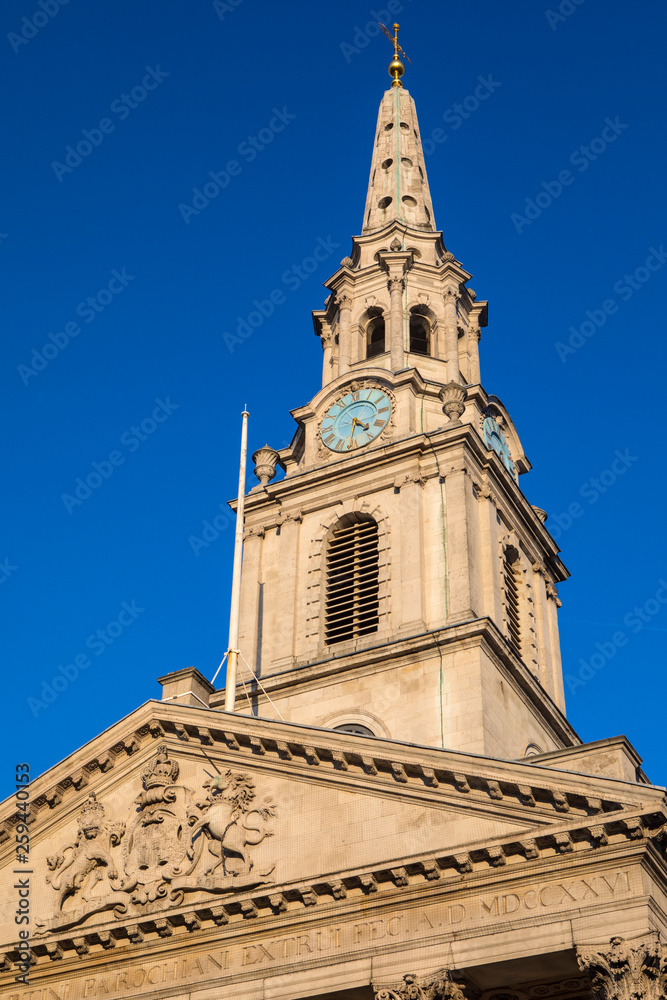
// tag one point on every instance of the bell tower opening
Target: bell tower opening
(510, 560)
(375, 336)
(352, 580)
(420, 334)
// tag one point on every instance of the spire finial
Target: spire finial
(396, 67)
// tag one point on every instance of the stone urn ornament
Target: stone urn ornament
(266, 461)
(453, 397)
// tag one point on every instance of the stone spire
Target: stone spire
(398, 187)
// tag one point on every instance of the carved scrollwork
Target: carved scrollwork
(541, 514)
(440, 987)
(405, 480)
(627, 972)
(574, 986)
(552, 593)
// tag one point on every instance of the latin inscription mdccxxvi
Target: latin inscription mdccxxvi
(341, 939)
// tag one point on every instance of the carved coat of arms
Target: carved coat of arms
(173, 843)
(156, 843)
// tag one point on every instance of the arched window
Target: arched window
(354, 727)
(510, 565)
(375, 342)
(352, 586)
(420, 334)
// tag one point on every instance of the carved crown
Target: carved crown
(161, 771)
(91, 816)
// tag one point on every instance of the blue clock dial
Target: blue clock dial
(495, 439)
(355, 419)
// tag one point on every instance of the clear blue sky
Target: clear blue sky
(171, 92)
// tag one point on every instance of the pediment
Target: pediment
(190, 808)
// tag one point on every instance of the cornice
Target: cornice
(411, 880)
(371, 657)
(382, 765)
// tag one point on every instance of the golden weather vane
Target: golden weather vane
(396, 67)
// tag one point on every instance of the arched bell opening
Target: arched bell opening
(375, 334)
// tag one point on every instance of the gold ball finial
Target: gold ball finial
(396, 68)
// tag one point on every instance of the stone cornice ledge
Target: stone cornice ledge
(409, 646)
(402, 880)
(415, 769)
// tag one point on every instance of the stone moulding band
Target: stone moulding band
(416, 873)
(547, 799)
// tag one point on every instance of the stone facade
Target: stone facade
(471, 848)
(191, 852)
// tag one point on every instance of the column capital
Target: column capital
(344, 300)
(437, 987)
(396, 284)
(627, 971)
(396, 262)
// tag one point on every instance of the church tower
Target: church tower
(397, 580)
(422, 823)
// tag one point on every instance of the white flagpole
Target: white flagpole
(235, 609)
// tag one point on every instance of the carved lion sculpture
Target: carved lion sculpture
(77, 867)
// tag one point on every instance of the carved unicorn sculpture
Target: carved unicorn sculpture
(230, 822)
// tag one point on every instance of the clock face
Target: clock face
(495, 439)
(355, 419)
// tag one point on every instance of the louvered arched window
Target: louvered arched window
(420, 334)
(352, 580)
(375, 337)
(510, 565)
